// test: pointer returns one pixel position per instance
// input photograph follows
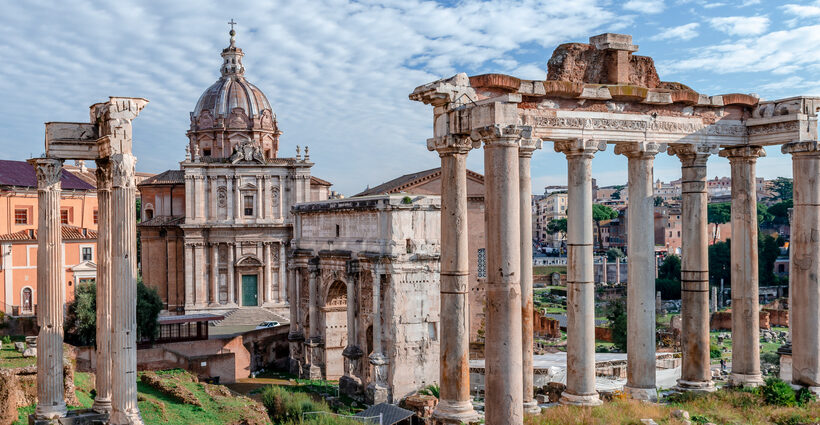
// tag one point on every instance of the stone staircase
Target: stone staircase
(248, 316)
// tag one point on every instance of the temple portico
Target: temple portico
(597, 94)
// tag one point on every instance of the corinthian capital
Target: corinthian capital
(103, 174)
(450, 144)
(811, 147)
(576, 147)
(455, 90)
(113, 120)
(122, 170)
(639, 149)
(498, 135)
(48, 172)
(743, 153)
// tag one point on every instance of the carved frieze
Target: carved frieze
(658, 126)
(778, 127)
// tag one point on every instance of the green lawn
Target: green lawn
(547, 270)
(9, 358)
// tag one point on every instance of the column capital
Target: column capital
(693, 155)
(498, 135)
(579, 147)
(122, 170)
(104, 176)
(528, 146)
(743, 153)
(808, 147)
(48, 172)
(639, 150)
(450, 144)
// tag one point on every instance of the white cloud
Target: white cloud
(336, 72)
(683, 32)
(645, 6)
(741, 25)
(802, 11)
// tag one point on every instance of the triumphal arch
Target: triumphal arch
(107, 140)
(600, 94)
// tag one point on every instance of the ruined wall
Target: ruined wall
(722, 320)
(582, 63)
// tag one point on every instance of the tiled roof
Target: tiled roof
(21, 174)
(166, 177)
(408, 180)
(69, 233)
(315, 181)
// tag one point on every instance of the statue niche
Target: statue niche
(248, 152)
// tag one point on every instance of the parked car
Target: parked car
(268, 324)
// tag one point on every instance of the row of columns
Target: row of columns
(202, 193)
(202, 274)
(116, 379)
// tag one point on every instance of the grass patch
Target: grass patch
(9, 358)
(548, 270)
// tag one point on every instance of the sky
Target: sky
(338, 73)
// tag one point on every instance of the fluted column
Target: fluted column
(580, 274)
(229, 195)
(214, 275)
(314, 339)
(805, 267)
(745, 302)
(237, 199)
(258, 210)
(124, 305)
(266, 279)
(102, 401)
(231, 275)
(351, 383)
(200, 275)
(695, 369)
(50, 291)
(454, 374)
(640, 340)
(503, 353)
(525, 210)
(213, 184)
(377, 388)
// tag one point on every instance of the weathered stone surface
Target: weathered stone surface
(30, 352)
(20, 346)
(583, 63)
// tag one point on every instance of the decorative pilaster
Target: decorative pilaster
(527, 147)
(295, 335)
(377, 391)
(50, 291)
(229, 194)
(102, 401)
(231, 275)
(503, 353)
(124, 305)
(283, 270)
(805, 265)
(189, 275)
(745, 302)
(640, 343)
(237, 199)
(454, 406)
(695, 369)
(580, 273)
(214, 275)
(266, 271)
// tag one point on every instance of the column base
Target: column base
(450, 412)
(101, 405)
(642, 394)
(741, 380)
(126, 418)
(580, 400)
(531, 407)
(376, 394)
(814, 390)
(50, 412)
(212, 305)
(74, 417)
(696, 386)
(311, 372)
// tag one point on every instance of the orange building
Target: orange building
(18, 235)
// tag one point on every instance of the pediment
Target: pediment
(85, 266)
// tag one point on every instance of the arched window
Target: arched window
(27, 300)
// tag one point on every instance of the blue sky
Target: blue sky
(338, 73)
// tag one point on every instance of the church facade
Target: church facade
(214, 234)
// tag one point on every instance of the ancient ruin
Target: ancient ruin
(598, 94)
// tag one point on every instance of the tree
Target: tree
(780, 211)
(81, 320)
(668, 281)
(599, 214)
(617, 323)
(768, 250)
(720, 263)
(558, 225)
(764, 218)
(718, 214)
(658, 201)
(783, 188)
(614, 253)
(670, 268)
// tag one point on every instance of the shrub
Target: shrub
(617, 323)
(715, 352)
(778, 393)
(283, 405)
(700, 419)
(6, 340)
(805, 396)
(432, 390)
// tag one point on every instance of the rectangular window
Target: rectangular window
(482, 263)
(87, 255)
(249, 205)
(64, 216)
(96, 217)
(21, 216)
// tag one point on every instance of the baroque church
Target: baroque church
(214, 234)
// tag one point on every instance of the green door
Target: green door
(249, 290)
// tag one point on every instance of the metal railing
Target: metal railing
(370, 419)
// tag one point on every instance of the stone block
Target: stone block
(20, 346)
(30, 352)
(31, 341)
(74, 417)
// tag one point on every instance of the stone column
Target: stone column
(231, 275)
(350, 383)
(580, 285)
(189, 275)
(200, 276)
(213, 184)
(377, 388)
(102, 402)
(237, 199)
(214, 275)
(229, 201)
(805, 267)
(695, 369)
(295, 335)
(266, 279)
(745, 302)
(503, 353)
(604, 278)
(314, 341)
(283, 270)
(124, 304)
(454, 406)
(525, 210)
(640, 343)
(618, 269)
(50, 291)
